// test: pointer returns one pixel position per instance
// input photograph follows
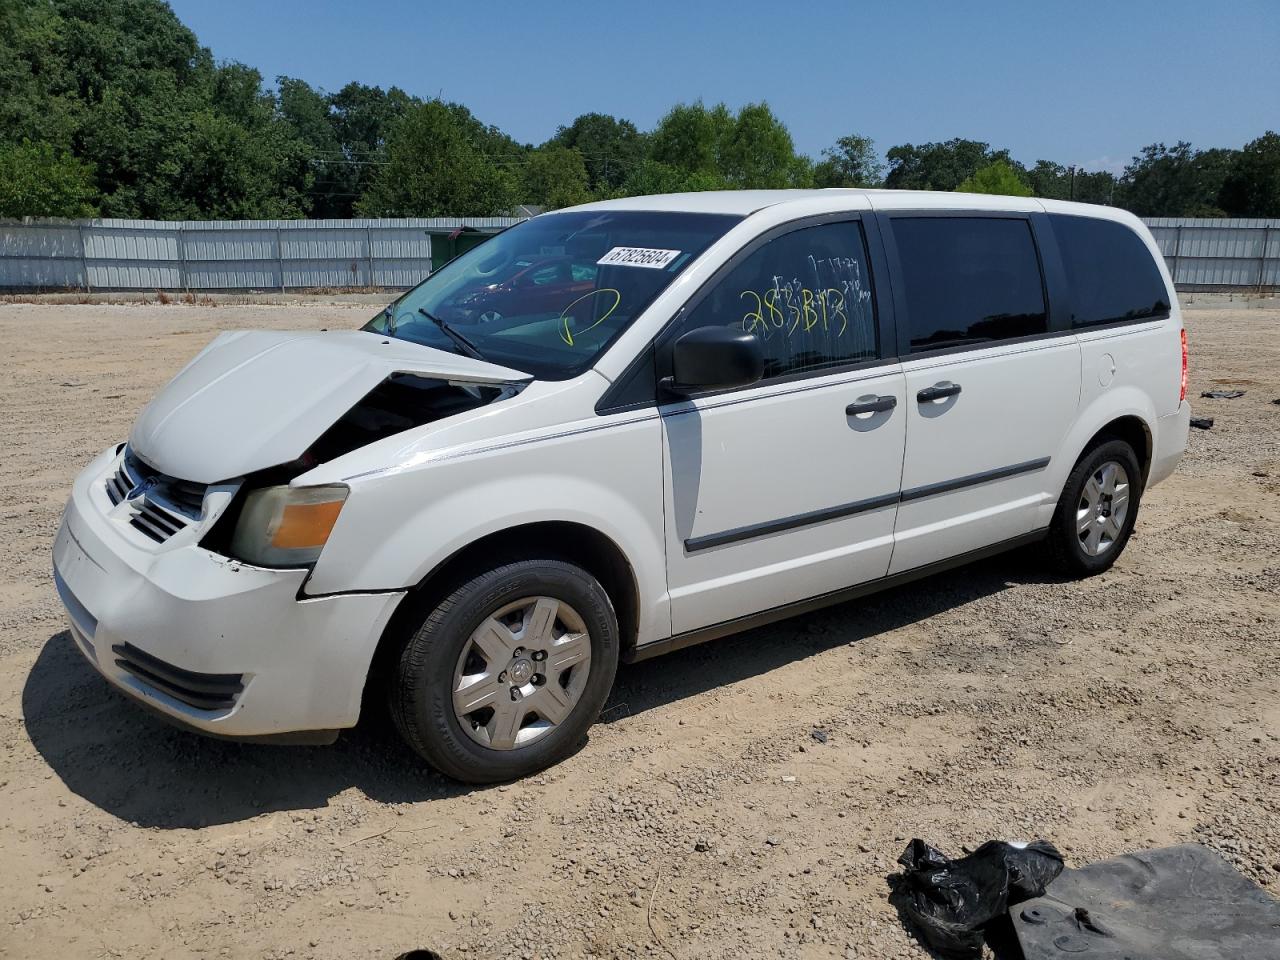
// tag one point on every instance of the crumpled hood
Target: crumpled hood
(256, 399)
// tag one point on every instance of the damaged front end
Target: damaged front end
(255, 411)
(271, 524)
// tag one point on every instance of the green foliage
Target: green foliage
(433, 169)
(852, 162)
(553, 177)
(1252, 185)
(1176, 181)
(997, 178)
(360, 116)
(759, 153)
(611, 149)
(1056, 182)
(114, 107)
(334, 182)
(701, 148)
(940, 166)
(37, 180)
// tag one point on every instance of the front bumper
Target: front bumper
(211, 643)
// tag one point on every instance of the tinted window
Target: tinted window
(548, 296)
(969, 280)
(806, 295)
(1112, 274)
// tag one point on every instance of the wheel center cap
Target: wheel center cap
(521, 671)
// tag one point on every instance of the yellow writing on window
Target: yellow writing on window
(566, 327)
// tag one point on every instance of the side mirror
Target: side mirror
(714, 358)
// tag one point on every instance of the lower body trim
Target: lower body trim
(797, 607)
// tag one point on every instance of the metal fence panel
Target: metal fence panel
(232, 275)
(224, 255)
(43, 273)
(396, 253)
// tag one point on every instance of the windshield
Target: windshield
(550, 294)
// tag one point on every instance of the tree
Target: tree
(1252, 185)
(237, 172)
(1049, 179)
(126, 88)
(361, 116)
(37, 97)
(699, 148)
(1053, 180)
(555, 176)
(611, 149)
(138, 77)
(653, 176)
(38, 181)
(940, 166)
(852, 162)
(690, 137)
(1176, 181)
(998, 178)
(432, 169)
(334, 181)
(759, 153)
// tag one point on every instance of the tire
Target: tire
(1088, 532)
(486, 654)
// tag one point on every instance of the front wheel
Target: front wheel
(1097, 511)
(504, 677)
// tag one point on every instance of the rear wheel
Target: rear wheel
(1097, 511)
(504, 677)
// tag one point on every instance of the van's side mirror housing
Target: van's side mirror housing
(714, 358)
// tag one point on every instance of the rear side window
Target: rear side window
(969, 280)
(805, 294)
(1112, 274)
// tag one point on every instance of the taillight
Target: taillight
(1182, 394)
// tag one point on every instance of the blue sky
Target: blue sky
(1082, 82)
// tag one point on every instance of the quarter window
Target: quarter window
(1112, 274)
(806, 295)
(969, 280)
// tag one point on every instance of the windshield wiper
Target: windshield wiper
(463, 343)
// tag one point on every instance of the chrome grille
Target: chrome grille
(165, 505)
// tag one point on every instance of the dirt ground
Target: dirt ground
(743, 799)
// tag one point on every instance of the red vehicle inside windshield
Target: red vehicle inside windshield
(536, 286)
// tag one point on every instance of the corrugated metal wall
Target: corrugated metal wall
(1202, 254)
(1208, 254)
(224, 255)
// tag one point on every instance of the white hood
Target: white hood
(255, 399)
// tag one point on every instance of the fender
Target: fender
(1121, 401)
(590, 479)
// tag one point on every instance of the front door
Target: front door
(991, 389)
(786, 489)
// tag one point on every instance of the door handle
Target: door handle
(939, 391)
(874, 405)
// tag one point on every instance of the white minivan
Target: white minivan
(613, 431)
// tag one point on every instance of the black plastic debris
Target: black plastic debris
(1202, 423)
(420, 955)
(1177, 903)
(1222, 394)
(951, 902)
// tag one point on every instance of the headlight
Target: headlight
(286, 526)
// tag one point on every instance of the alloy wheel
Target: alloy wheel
(1103, 507)
(521, 672)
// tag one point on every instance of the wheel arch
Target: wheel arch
(566, 540)
(1130, 428)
